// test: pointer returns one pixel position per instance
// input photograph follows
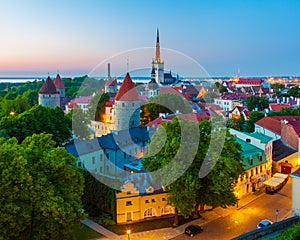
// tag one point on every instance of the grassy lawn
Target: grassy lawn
(82, 232)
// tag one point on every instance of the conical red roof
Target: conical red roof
(127, 91)
(48, 87)
(58, 82)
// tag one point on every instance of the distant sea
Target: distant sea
(19, 79)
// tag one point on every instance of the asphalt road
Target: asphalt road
(233, 222)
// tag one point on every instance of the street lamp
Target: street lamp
(237, 201)
(128, 232)
(12, 113)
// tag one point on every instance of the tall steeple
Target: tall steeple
(157, 55)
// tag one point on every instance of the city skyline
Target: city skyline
(259, 38)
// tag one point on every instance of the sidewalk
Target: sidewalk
(169, 233)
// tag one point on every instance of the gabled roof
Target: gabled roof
(127, 91)
(111, 82)
(273, 123)
(122, 138)
(278, 107)
(48, 87)
(58, 82)
(110, 141)
(82, 100)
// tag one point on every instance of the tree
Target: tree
(163, 103)
(259, 103)
(79, 123)
(189, 191)
(40, 189)
(97, 198)
(253, 118)
(38, 119)
(294, 91)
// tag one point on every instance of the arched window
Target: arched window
(150, 212)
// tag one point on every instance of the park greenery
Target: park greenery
(189, 191)
(38, 119)
(40, 189)
(163, 103)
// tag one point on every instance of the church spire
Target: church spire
(157, 56)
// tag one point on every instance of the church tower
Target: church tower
(127, 106)
(158, 63)
(48, 95)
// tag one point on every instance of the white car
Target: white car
(264, 223)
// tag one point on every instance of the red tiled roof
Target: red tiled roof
(170, 90)
(73, 105)
(157, 122)
(83, 100)
(109, 104)
(250, 81)
(48, 87)
(127, 91)
(278, 107)
(111, 82)
(58, 82)
(274, 123)
(296, 125)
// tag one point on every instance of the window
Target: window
(128, 203)
(128, 192)
(107, 168)
(93, 160)
(101, 157)
(146, 201)
(164, 199)
(79, 164)
(248, 140)
(123, 104)
(251, 161)
(107, 155)
(256, 170)
(101, 169)
(153, 200)
(133, 104)
(260, 158)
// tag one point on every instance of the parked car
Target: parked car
(264, 223)
(192, 230)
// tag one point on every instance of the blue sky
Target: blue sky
(258, 37)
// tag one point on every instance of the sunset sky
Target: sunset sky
(73, 37)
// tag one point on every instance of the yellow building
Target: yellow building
(295, 192)
(140, 200)
(258, 168)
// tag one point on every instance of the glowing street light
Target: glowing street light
(128, 232)
(12, 113)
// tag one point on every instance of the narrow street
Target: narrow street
(233, 222)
